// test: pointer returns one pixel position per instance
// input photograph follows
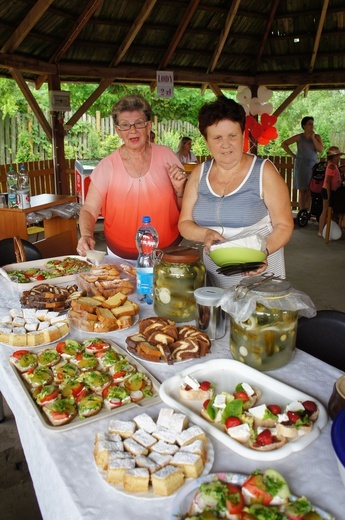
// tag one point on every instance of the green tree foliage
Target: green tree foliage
(324, 106)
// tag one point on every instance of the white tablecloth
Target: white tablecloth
(65, 477)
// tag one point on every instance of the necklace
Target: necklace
(138, 174)
(228, 184)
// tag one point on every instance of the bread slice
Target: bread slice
(85, 303)
(129, 308)
(115, 301)
(105, 316)
(190, 463)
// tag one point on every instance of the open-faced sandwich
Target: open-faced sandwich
(191, 389)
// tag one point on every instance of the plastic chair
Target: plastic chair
(9, 251)
(323, 337)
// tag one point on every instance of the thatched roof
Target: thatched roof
(220, 43)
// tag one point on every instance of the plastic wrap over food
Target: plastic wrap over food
(106, 280)
(248, 240)
(241, 301)
(38, 216)
(66, 211)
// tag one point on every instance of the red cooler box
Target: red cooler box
(83, 170)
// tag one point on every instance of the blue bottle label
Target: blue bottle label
(144, 280)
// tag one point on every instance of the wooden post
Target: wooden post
(59, 161)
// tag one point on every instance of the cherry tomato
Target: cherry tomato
(232, 421)
(57, 416)
(242, 395)
(205, 385)
(117, 375)
(264, 438)
(274, 408)
(293, 416)
(205, 405)
(40, 277)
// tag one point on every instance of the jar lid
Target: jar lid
(208, 295)
(180, 254)
(340, 386)
(267, 286)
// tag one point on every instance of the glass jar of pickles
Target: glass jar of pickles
(266, 338)
(177, 273)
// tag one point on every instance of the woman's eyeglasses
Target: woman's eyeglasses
(138, 125)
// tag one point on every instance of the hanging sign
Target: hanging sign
(165, 84)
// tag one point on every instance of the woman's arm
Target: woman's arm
(187, 227)
(317, 142)
(277, 199)
(88, 216)
(286, 144)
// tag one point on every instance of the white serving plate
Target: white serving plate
(146, 402)
(226, 374)
(40, 264)
(185, 495)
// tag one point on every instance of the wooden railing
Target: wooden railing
(41, 174)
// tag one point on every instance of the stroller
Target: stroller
(315, 186)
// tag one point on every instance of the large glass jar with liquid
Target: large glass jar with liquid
(178, 271)
(266, 339)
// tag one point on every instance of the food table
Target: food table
(13, 220)
(65, 476)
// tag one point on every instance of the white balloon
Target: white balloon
(264, 94)
(255, 106)
(244, 96)
(335, 232)
(246, 108)
(266, 108)
(241, 87)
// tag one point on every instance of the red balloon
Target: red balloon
(245, 144)
(270, 133)
(263, 140)
(257, 131)
(250, 122)
(267, 120)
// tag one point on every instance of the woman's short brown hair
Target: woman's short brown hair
(218, 110)
(131, 104)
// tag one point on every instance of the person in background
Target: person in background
(331, 183)
(184, 152)
(309, 144)
(139, 178)
(234, 193)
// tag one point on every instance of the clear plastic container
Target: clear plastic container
(177, 273)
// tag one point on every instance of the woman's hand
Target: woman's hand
(212, 237)
(257, 271)
(85, 243)
(178, 178)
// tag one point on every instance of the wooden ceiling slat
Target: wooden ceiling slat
(273, 10)
(26, 25)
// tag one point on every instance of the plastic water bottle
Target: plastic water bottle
(23, 193)
(12, 186)
(147, 241)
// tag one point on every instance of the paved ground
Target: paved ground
(312, 267)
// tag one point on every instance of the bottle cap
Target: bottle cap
(146, 219)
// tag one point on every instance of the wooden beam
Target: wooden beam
(269, 23)
(58, 135)
(26, 25)
(180, 31)
(215, 89)
(318, 35)
(32, 102)
(136, 26)
(61, 50)
(289, 100)
(88, 103)
(224, 35)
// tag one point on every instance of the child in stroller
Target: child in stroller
(315, 186)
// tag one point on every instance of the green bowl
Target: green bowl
(236, 255)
